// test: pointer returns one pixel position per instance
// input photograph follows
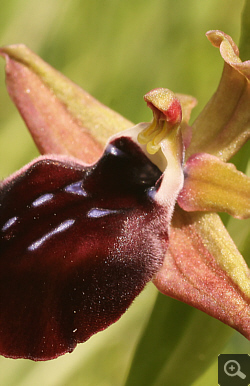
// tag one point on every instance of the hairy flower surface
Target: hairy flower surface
(83, 230)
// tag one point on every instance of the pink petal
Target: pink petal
(203, 268)
(214, 186)
(62, 118)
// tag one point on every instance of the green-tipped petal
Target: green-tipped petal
(224, 124)
(61, 117)
(204, 269)
(212, 185)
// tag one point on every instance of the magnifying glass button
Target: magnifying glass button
(233, 369)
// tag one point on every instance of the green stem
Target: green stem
(244, 45)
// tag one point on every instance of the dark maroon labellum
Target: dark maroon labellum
(76, 246)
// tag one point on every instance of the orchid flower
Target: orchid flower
(86, 225)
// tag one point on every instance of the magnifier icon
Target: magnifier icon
(234, 368)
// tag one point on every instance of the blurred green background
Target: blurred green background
(117, 51)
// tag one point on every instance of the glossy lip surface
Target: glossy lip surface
(77, 245)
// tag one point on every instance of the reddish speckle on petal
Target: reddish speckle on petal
(174, 113)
